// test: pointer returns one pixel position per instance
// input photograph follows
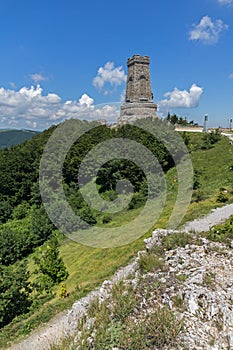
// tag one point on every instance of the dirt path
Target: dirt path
(216, 216)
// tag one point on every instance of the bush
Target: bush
(150, 261)
(124, 300)
(41, 226)
(160, 329)
(196, 179)
(5, 211)
(138, 201)
(62, 292)
(20, 211)
(222, 233)
(14, 245)
(50, 263)
(87, 216)
(106, 219)
(174, 240)
(222, 197)
(209, 139)
(198, 196)
(15, 292)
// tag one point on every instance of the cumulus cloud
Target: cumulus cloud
(85, 100)
(181, 98)
(37, 77)
(29, 107)
(115, 76)
(207, 31)
(225, 2)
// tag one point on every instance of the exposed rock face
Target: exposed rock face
(206, 290)
(139, 98)
(196, 283)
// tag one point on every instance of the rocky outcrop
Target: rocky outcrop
(206, 288)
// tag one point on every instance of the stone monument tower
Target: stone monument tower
(139, 98)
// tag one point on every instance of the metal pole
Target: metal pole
(205, 123)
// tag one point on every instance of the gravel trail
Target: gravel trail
(216, 216)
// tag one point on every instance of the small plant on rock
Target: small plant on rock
(150, 261)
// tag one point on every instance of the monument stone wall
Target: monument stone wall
(139, 98)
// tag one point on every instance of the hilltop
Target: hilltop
(28, 239)
(10, 137)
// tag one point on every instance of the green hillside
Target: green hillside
(55, 271)
(12, 137)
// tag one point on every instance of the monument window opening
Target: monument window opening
(143, 88)
(130, 89)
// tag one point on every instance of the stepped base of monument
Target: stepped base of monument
(131, 111)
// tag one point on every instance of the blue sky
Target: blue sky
(61, 59)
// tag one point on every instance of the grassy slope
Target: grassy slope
(214, 165)
(88, 267)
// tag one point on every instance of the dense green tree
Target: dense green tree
(50, 263)
(14, 245)
(5, 210)
(41, 227)
(87, 216)
(15, 292)
(21, 210)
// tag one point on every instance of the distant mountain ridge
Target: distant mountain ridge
(10, 137)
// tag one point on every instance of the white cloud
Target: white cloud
(85, 100)
(225, 2)
(181, 98)
(207, 31)
(29, 107)
(230, 76)
(37, 77)
(31, 124)
(115, 76)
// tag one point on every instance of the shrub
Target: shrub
(15, 292)
(161, 328)
(221, 233)
(222, 197)
(50, 263)
(5, 211)
(174, 240)
(14, 245)
(87, 216)
(198, 196)
(196, 179)
(138, 201)
(150, 261)
(124, 300)
(21, 211)
(106, 219)
(62, 292)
